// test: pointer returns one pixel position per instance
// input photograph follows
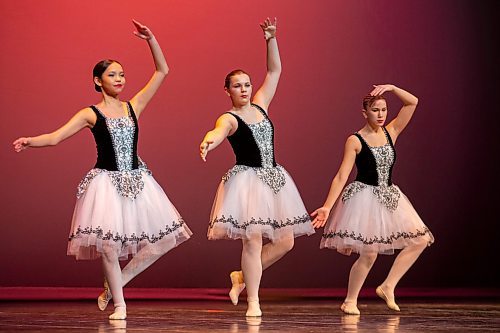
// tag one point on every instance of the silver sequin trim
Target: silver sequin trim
(234, 170)
(351, 189)
(128, 183)
(274, 177)
(263, 135)
(122, 136)
(384, 157)
(386, 195)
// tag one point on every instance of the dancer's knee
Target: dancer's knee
(253, 245)
(286, 243)
(109, 254)
(420, 245)
(368, 258)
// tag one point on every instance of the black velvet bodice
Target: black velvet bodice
(366, 163)
(107, 156)
(244, 144)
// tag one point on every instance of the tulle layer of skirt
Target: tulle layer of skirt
(104, 220)
(363, 224)
(245, 205)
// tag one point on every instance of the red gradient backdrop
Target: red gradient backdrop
(332, 52)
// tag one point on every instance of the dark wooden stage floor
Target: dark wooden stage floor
(281, 314)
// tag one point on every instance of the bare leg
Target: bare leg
(405, 259)
(113, 275)
(251, 265)
(357, 277)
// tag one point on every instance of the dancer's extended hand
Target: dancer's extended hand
(204, 149)
(269, 28)
(21, 144)
(320, 216)
(142, 31)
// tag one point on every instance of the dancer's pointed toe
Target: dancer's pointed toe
(104, 297)
(237, 287)
(391, 304)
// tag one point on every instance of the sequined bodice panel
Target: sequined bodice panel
(116, 143)
(122, 132)
(374, 172)
(384, 157)
(263, 135)
(253, 145)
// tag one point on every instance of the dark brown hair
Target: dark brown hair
(100, 68)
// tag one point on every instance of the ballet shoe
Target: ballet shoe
(253, 308)
(119, 314)
(104, 297)
(238, 285)
(118, 326)
(350, 308)
(391, 304)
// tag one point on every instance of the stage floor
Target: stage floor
(425, 315)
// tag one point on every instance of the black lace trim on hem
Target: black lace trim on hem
(275, 224)
(376, 240)
(116, 237)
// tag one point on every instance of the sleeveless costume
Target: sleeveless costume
(373, 214)
(119, 205)
(257, 196)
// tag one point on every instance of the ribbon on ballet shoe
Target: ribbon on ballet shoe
(237, 287)
(350, 308)
(391, 304)
(104, 298)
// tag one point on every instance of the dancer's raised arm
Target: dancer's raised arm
(398, 124)
(265, 94)
(142, 98)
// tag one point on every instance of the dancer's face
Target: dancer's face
(112, 80)
(240, 89)
(376, 113)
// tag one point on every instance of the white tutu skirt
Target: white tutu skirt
(245, 205)
(363, 224)
(104, 220)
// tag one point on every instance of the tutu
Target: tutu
(262, 201)
(123, 211)
(373, 219)
(120, 208)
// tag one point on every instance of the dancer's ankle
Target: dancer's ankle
(350, 307)
(120, 312)
(253, 307)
